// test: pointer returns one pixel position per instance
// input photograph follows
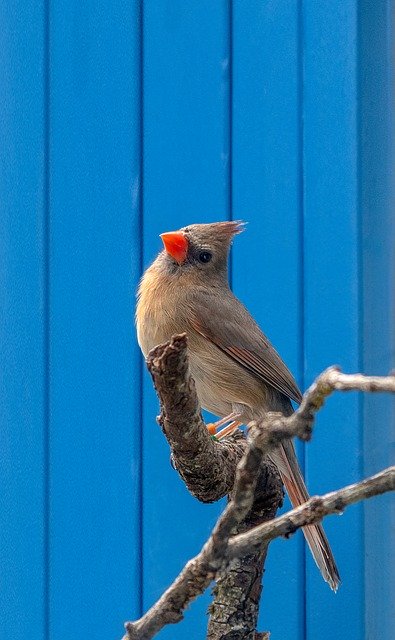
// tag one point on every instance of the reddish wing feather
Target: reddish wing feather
(267, 366)
(265, 370)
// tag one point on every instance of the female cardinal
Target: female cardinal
(239, 376)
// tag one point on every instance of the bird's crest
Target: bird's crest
(214, 232)
(229, 228)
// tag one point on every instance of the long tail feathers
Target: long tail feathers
(286, 461)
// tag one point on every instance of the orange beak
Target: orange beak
(176, 245)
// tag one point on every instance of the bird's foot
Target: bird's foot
(228, 430)
(213, 426)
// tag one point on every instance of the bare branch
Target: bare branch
(314, 510)
(208, 469)
(201, 570)
(276, 427)
(330, 380)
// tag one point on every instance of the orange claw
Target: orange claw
(228, 430)
(212, 428)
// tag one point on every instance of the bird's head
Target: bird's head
(202, 248)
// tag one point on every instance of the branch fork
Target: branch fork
(235, 552)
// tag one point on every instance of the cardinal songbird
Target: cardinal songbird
(238, 374)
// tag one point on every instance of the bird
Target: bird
(239, 375)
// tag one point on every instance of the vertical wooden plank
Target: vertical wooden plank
(186, 154)
(267, 258)
(332, 301)
(22, 320)
(95, 261)
(376, 95)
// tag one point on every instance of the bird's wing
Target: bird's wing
(225, 321)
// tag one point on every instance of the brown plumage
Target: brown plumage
(236, 369)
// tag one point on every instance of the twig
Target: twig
(198, 573)
(314, 510)
(332, 379)
(208, 468)
(194, 452)
(201, 570)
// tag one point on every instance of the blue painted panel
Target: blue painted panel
(94, 370)
(225, 95)
(186, 154)
(22, 321)
(376, 48)
(332, 301)
(267, 261)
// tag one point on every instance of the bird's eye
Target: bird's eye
(204, 257)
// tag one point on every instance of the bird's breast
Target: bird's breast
(221, 382)
(158, 317)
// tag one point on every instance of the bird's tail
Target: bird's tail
(287, 463)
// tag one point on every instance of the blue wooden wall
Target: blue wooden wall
(122, 120)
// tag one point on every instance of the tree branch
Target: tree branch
(208, 469)
(201, 570)
(314, 510)
(276, 427)
(198, 573)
